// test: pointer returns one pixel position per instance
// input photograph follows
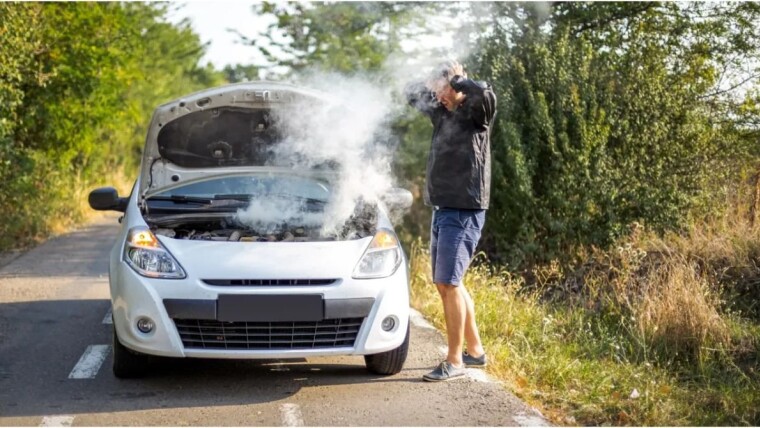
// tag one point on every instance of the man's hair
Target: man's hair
(442, 73)
(447, 69)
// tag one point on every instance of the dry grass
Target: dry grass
(57, 204)
(665, 299)
(680, 312)
(655, 315)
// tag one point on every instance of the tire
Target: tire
(128, 364)
(389, 362)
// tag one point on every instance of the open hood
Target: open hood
(218, 131)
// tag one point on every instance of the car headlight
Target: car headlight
(382, 257)
(148, 257)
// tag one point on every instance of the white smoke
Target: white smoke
(267, 215)
(350, 134)
(352, 131)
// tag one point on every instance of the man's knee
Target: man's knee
(446, 289)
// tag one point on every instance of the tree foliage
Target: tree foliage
(344, 37)
(78, 83)
(241, 73)
(610, 118)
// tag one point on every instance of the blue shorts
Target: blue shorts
(454, 235)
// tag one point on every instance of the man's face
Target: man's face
(446, 95)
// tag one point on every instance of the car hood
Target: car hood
(219, 131)
(267, 260)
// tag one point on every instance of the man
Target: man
(458, 188)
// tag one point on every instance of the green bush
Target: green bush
(603, 121)
(78, 83)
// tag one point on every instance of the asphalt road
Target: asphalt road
(54, 304)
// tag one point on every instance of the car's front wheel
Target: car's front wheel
(389, 362)
(127, 363)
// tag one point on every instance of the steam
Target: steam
(351, 133)
(268, 215)
(348, 134)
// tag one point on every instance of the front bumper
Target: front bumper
(163, 301)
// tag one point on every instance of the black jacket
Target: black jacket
(459, 163)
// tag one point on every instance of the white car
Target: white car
(190, 278)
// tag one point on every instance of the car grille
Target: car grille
(210, 334)
(245, 282)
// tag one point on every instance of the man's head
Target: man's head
(438, 82)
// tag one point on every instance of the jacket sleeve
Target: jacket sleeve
(421, 97)
(480, 101)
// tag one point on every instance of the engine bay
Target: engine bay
(228, 227)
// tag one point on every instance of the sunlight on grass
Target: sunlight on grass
(636, 336)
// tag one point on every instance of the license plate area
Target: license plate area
(272, 308)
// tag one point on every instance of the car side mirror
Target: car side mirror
(398, 199)
(107, 198)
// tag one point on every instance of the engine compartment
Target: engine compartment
(228, 227)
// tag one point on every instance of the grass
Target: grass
(49, 203)
(657, 331)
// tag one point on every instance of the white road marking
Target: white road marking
(419, 320)
(107, 319)
(57, 421)
(90, 362)
(291, 415)
(279, 367)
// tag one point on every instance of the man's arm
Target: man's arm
(419, 96)
(480, 101)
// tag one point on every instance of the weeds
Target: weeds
(648, 333)
(48, 203)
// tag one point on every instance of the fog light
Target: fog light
(388, 323)
(145, 325)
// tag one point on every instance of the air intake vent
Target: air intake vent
(255, 282)
(205, 334)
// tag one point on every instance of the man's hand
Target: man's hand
(456, 70)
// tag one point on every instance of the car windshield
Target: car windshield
(253, 186)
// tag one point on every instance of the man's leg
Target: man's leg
(455, 244)
(471, 334)
(455, 314)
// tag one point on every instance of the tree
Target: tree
(78, 83)
(241, 73)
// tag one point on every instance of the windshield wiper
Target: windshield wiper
(182, 199)
(243, 197)
(199, 200)
(233, 196)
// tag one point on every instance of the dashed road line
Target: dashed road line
(279, 367)
(108, 318)
(90, 362)
(57, 421)
(291, 415)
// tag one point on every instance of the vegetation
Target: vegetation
(78, 83)
(611, 117)
(642, 334)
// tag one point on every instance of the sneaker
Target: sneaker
(444, 371)
(471, 361)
